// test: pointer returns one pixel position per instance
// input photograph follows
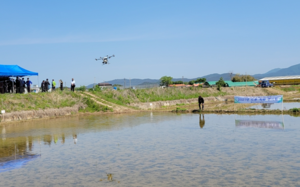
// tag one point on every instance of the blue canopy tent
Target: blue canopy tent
(14, 71)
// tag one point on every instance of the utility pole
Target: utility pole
(246, 79)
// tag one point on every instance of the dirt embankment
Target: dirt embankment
(37, 114)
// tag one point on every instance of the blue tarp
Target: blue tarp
(14, 71)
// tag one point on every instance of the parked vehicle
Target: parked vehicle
(266, 84)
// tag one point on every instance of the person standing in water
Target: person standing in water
(201, 103)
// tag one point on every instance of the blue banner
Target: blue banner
(258, 99)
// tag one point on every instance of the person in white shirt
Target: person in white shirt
(72, 84)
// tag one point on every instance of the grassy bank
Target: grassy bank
(127, 96)
(54, 100)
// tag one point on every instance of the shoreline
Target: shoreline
(195, 111)
(84, 103)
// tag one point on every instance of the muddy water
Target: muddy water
(159, 149)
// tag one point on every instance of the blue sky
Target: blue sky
(61, 39)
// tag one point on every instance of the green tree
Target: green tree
(200, 80)
(220, 83)
(177, 82)
(166, 81)
(242, 78)
(191, 82)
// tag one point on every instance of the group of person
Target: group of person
(8, 85)
(45, 85)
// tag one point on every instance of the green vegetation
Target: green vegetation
(295, 110)
(166, 81)
(81, 88)
(220, 83)
(177, 82)
(127, 96)
(33, 101)
(290, 88)
(92, 106)
(178, 109)
(197, 81)
(242, 78)
(45, 100)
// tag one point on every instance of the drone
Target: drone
(105, 59)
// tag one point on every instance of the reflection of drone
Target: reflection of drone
(105, 59)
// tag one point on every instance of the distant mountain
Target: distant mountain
(293, 70)
(273, 70)
(128, 82)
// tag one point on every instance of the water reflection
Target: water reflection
(3, 133)
(75, 138)
(160, 151)
(266, 105)
(259, 124)
(201, 120)
(276, 106)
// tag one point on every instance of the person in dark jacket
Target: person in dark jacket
(17, 85)
(201, 102)
(43, 86)
(21, 85)
(61, 85)
(9, 85)
(47, 85)
(28, 84)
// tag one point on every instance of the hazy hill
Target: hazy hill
(293, 70)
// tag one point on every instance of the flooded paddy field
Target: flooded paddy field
(152, 149)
